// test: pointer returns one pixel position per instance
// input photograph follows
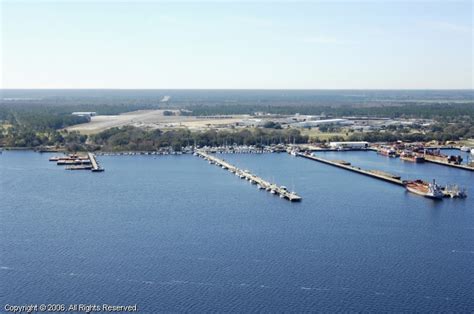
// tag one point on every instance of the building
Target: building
(84, 113)
(349, 145)
(316, 123)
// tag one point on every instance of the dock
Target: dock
(78, 162)
(387, 177)
(95, 165)
(449, 164)
(254, 179)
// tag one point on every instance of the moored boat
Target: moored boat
(426, 189)
(411, 156)
(387, 151)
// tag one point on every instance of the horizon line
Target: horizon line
(255, 89)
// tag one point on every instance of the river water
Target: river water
(173, 233)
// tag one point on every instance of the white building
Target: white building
(316, 123)
(349, 145)
(85, 113)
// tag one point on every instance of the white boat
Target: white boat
(465, 148)
(282, 195)
(472, 151)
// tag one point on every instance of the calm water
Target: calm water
(176, 234)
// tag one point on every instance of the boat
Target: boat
(293, 197)
(411, 156)
(465, 149)
(387, 151)
(472, 151)
(426, 189)
(454, 191)
(260, 187)
(293, 153)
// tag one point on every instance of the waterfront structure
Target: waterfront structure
(317, 123)
(84, 113)
(349, 145)
(282, 191)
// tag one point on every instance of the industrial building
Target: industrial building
(349, 145)
(316, 123)
(84, 113)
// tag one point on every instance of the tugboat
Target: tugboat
(411, 156)
(420, 187)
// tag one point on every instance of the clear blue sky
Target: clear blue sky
(153, 44)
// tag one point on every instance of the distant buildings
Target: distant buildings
(84, 113)
(317, 123)
(349, 145)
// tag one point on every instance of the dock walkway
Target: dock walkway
(346, 166)
(254, 179)
(449, 164)
(95, 165)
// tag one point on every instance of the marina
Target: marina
(188, 216)
(78, 162)
(262, 184)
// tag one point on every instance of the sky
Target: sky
(237, 45)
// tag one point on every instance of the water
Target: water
(173, 233)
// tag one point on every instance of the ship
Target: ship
(387, 151)
(411, 156)
(426, 189)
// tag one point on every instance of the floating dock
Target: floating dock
(345, 165)
(254, 179)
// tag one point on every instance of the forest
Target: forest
(33, 125)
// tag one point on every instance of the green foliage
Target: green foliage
(271, 125)
(132, 138)
(439, 111)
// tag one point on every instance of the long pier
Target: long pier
(344, 165)
(254, 179)
(449, 164)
